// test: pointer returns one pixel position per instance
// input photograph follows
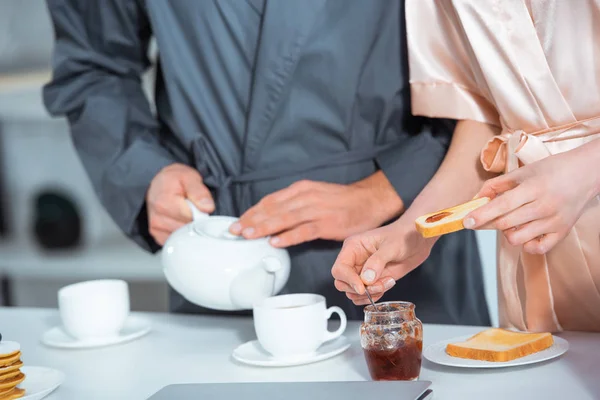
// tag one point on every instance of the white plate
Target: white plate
(134, 328)
(252, 353)
(436, 353)
(40, 382)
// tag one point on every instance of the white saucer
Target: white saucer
(40, 382)
(134, 328)
(436, 353)
(252, 353)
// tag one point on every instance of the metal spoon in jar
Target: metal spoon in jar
(371, 299)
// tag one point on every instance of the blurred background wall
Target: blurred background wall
(42, 181)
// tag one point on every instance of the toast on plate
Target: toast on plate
(448, 220)
(500, 345)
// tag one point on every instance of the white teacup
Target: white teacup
(295, 325)
(94, 309)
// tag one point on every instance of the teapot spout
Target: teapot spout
(257, 283)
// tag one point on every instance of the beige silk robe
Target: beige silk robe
(532, 68)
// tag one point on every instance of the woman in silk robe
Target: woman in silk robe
(523, 78)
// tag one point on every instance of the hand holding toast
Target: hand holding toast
(537, 205)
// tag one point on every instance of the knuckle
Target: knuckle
(335, 271)
(534, 247)
(153, 224)
(161, 206)
(512, 237)
(287, 219)
(271, 225)
(252, 218)
(505, 203)
(489, 186)
(191, 173)
(313, 230)
(551, 206)
(347, 244)
(354, 296)
(375, 261)
(301, 184)
(503, 223)
(296, 236)
(175, 169)
(153, 218)
(268, 200)
(354, 243)
(155, 234)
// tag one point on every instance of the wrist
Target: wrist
(588, 156)
(406, 226)
(380, 197)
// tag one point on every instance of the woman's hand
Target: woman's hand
(378, 258)
(537, 205)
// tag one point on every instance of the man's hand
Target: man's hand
(167, 209)
(308, 210)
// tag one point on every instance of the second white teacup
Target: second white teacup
(294, 325)
(94, 309)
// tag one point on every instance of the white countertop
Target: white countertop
(184, 349)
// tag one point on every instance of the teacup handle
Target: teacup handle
(343, 322)
(196, 213)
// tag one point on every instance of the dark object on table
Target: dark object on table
(57, 223)
(391, 390)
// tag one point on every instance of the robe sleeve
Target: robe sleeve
(99, 56)
(422, 145)
(445, 79)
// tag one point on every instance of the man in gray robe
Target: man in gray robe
(253, 97)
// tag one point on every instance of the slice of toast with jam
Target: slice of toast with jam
(447, 220)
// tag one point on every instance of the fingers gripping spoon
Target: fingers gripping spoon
(370, 299)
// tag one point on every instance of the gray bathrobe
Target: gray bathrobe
(257, 94)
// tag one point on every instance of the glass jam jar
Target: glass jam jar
(392, 340)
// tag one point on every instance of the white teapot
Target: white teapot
(212, 268)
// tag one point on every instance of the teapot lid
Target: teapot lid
(216, 227)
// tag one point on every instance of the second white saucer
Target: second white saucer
(134, 328)
(252, 353)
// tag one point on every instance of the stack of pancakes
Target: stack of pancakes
(10, 373)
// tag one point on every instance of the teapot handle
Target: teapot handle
(196, 213)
